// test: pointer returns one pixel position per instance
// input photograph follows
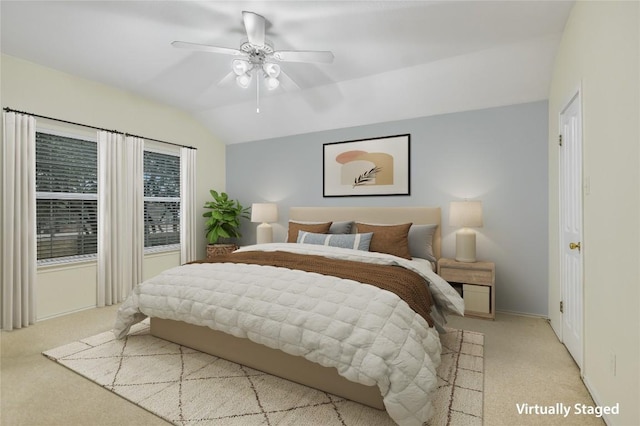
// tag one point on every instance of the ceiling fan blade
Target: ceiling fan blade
(227, 80)
(207, 48)
(304, 56)
(287, 83)
(255, 26)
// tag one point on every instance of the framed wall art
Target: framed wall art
(367, 167)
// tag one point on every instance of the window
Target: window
(161, 199)
(66, 197)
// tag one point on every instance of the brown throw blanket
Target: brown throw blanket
(407, 285)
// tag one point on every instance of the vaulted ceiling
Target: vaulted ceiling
(393, 59)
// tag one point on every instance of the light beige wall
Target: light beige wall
(157, 262)
(44, 91)
(599, 52)
(65, 288)
(69, 288)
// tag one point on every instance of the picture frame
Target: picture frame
(367, 167)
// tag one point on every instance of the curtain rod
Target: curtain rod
(7, 109)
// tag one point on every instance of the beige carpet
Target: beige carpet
(187, 387)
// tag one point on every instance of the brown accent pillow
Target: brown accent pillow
(391, 239)
(316, 228)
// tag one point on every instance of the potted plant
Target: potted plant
(223, 223)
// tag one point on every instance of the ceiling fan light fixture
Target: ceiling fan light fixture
(244, 80)
(240, 67)
(272, 70)
(272, 83)
(258, 56)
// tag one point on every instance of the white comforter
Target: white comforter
(369, 335)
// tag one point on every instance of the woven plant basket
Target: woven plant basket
(220, 249)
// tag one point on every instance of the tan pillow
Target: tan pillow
(391, 239)
(316, 228)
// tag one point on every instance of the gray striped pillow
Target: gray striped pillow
(352, 241)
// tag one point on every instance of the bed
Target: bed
(354, 360)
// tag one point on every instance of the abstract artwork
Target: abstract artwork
(364, 167)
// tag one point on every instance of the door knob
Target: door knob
(574, 246)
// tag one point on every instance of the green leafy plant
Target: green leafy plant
(224, 217)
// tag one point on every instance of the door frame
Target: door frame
(574, 96)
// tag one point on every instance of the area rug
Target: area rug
(187, 387)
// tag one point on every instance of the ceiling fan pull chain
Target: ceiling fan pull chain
(257, 92)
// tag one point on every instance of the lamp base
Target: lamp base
(466, 245)
(264, 234)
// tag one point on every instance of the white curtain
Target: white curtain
(188, 225)
(135, 164)
(120, 209)
(18, 235)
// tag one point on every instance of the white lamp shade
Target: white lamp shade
(272, 83)
(465, 214)
(244, 80)
(272, 70)
(264, 212)
(240, 67)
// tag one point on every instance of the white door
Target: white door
(571, 228)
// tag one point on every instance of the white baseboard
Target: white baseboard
(60, 314)
(596, 399)
(523, 314)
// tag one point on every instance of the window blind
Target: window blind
(66, 197)
(161, 199)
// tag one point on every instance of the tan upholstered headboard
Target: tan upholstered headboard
(383, 215)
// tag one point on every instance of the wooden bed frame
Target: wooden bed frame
(276, 362)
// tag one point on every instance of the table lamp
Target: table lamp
(465, 214)
(264, 213)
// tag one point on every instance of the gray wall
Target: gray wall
(496, 155)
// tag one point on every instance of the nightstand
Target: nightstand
(478, 285)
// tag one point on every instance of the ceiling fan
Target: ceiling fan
(258, 56)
